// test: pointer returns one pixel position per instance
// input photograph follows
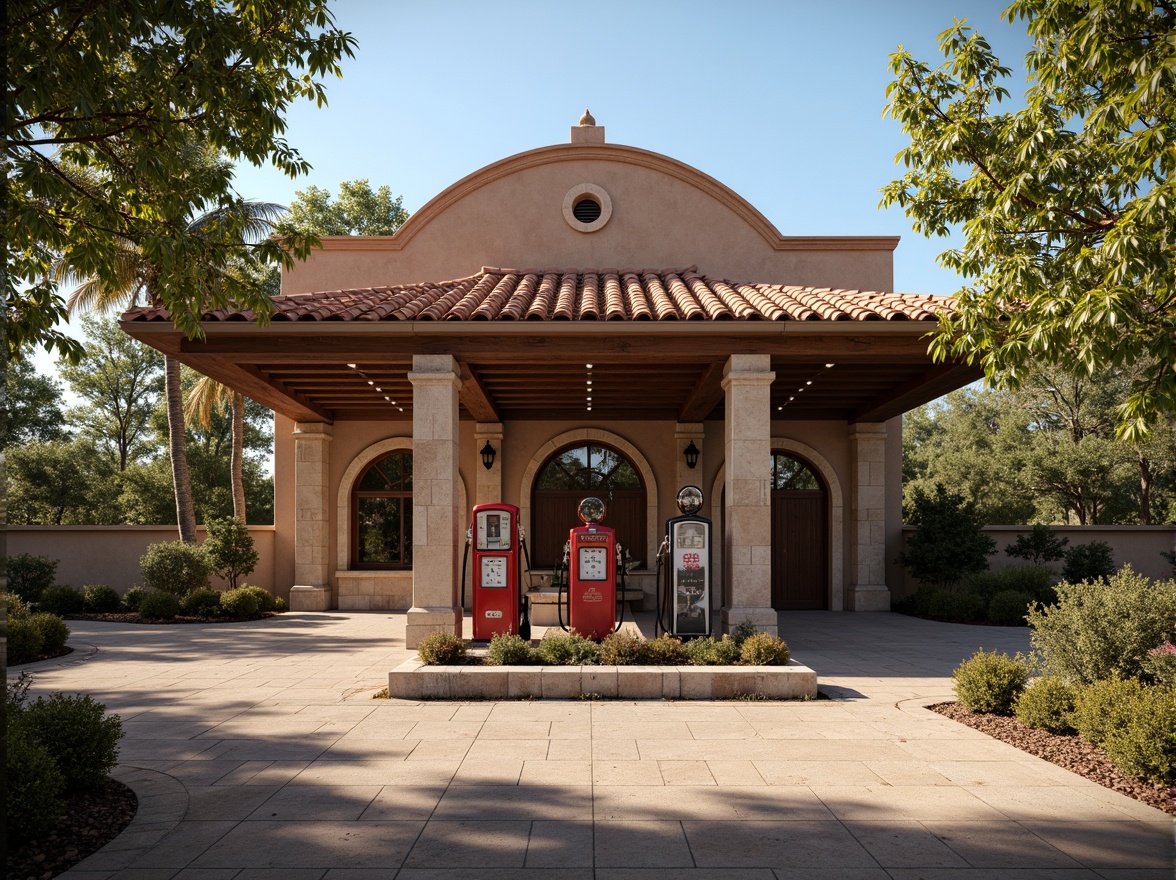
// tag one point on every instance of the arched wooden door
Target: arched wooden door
(800, 536)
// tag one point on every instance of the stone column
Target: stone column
(747, 521)
(312, 518)
(435, 544)
(867, 589)
(489, 485)
(686, 433)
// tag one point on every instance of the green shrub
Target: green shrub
(1040, 546)
(54, 632)
(229, 548)
(29, 575)
(1101, 628)
(15, 606)
(710, 651)
(1160, 663)
(508, 649)
(1046, 704)
(159, 606)
(81, 738)
(201, 603)
(1008, 608)
(765, 649)
(990, 682)
(1135, 724)
(622, 649)
(665, 650)
(948, 542)
(24, 640)
(174, 567)
(34, 787)
(61, 599)
(266, 601)
(955, 607)
(239, 603)
(568, 649)
(1089, 562)
(1101, 706)
(132, 597)
(1036, 580)
(1145, 746)
(100, 599)
(441, 649)
(742, 632)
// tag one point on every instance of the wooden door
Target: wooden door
(800, 550)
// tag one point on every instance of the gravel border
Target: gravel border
(1070, 752)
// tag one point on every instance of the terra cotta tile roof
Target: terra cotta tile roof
(588, 295)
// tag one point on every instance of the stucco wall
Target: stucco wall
(110, 554)
(664, 215)
(1138, 545)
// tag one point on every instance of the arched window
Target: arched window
(381, 513)
(791, 474)
(575, 473)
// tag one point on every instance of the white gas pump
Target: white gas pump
(684, 595)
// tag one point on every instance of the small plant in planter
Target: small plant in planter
(765, 649)
(508, 649)
(442, 649)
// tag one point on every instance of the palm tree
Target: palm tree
(206, 397)
(137, 283)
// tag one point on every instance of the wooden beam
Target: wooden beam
(932, 383)
(704, 396)
(474, 397)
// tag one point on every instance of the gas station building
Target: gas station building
(583, 319)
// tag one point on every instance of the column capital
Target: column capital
(747, 369)
(488, 431)
(689, 430)
(313, 431)
(867, 431)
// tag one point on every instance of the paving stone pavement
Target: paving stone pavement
(257, 752)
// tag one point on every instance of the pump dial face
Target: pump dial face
(591, 510)
(593, 564)
(689, 500)
(493, 571)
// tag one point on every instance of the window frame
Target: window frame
(404, 494)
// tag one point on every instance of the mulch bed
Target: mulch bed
(1071, 752)
(92, 819)
(134, 617)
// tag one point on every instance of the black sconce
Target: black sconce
(488, 453)
(691, 452)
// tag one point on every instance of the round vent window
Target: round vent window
(587, 207)
(587, 210)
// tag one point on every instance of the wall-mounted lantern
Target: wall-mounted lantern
(488, 453)
(691, 452)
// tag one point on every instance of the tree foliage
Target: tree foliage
(357, 211)
(1068, 207)
(103, 104)
(32, 406)
(947, 543)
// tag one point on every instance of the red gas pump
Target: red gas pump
(496, 570)
(592, 573)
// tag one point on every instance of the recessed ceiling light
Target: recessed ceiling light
(792, 398)
(589, 381)
(371, 382)
(809, 382)
(378, 388)
(588, 366)
(830, 366)
(352, 366)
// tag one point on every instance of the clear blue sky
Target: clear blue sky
(781, 101)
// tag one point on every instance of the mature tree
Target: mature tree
(60, 482)
(234, 229)
(32, 406)
(1068, 207)
(120, 380)
(357, 211)
(102, 101)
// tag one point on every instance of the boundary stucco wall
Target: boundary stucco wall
(110, 554)
(1138, 545)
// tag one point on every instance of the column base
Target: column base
(421, 622)
(765, 619)
(307, 598)
(868, 598)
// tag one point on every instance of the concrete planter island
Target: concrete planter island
(413, 680)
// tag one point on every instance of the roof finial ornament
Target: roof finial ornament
(587, 119)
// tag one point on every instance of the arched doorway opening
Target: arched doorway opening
(574, 473)
(800, 535)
